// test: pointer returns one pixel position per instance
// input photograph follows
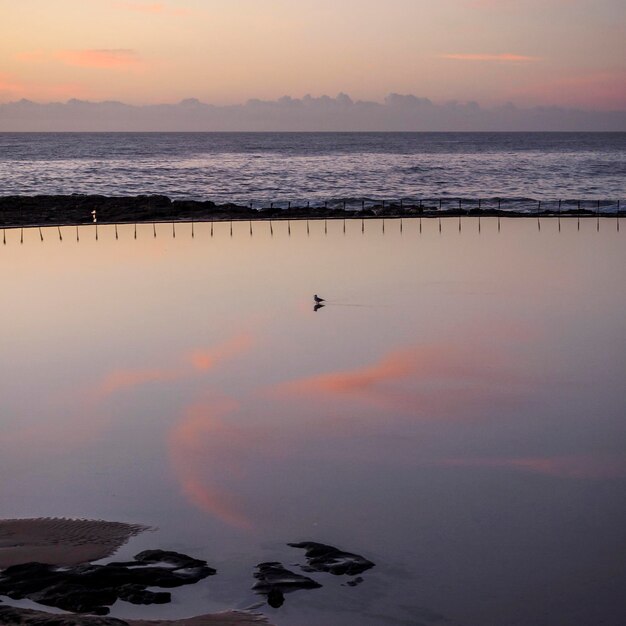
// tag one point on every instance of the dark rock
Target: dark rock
(92, 588)
(356, 581)
(136, 594)
(323, 558)
(275, 581)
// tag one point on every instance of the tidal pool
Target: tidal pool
(455, 414)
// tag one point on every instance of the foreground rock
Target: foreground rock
(275, 581)
(323, 558)
(93, 588)
(10, 616)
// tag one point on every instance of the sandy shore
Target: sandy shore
(61, 541)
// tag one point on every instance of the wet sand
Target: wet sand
(61, 541)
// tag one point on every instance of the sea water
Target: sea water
(261, 168)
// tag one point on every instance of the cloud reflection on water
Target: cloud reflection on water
(219, 448)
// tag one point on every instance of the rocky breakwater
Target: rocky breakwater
(16, 211)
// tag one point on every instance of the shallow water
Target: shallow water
(455, 414)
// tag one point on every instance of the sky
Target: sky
(565, 53)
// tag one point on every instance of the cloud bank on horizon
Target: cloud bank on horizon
(567, 54)
(397, 113)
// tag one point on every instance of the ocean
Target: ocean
(333, 168)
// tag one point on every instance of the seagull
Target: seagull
(318, 300)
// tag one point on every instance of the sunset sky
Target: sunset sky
(530, 52)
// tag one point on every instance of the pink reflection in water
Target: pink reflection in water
(203, 445)
(442, 380)
(212, 454)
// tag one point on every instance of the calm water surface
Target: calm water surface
(456, 414)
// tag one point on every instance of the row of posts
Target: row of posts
(271, 226)
(440, 205)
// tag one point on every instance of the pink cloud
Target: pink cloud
(604, 89)
(15, 88)
(492, 58)
(121, 59)
(512, 5)
(8, 84)
(152, 8)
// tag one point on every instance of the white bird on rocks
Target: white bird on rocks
(318, 300)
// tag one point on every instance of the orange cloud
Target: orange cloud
(491, 58)
(120, 59)
(206, 359)
(10, 85)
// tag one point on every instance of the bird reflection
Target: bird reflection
(318, 306)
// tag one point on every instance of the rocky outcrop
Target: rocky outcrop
(323, 558)
(274, 581)
(78, 209)
(93, 588)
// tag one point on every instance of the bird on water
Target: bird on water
(318, 300)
